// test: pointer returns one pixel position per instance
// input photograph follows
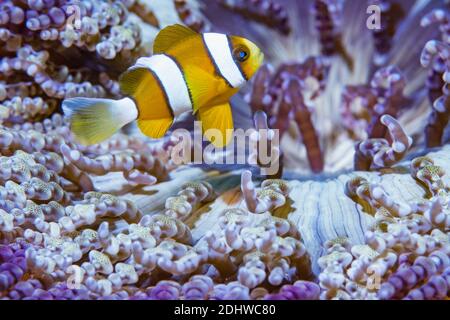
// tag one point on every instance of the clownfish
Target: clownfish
(188, 71)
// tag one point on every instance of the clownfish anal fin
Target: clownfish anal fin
(155, 128)
(169, 36)
(131, 79)
(217, 124)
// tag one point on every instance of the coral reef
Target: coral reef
(358, 208)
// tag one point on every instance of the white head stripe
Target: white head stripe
(172, 80)
(219, 49)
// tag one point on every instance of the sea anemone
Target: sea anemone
(357, 208)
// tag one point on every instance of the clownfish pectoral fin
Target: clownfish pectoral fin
(169, 36)
(155, 128)
(217, 124)
(202, 86)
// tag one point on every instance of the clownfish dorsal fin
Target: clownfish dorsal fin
(220, 120)
(169, 36)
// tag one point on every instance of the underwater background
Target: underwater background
(360, 205)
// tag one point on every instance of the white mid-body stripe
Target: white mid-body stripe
(219, 49)
(172, 80)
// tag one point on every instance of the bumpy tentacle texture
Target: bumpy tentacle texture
(95, 40)
(391, 15)
(191, 16)
(264, 149)
(363, 106)
(269, 250)
(378, 153)
(32, 80)
(190, 195)
(328, 15)
(436, 56)
(406, 252)
(272, 194)
(52, 217)
(120, 220)
(269, 12)
(357, 109)
(289, 94)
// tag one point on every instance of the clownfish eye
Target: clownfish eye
(241, 53)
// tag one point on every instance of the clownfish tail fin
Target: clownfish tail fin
(94, 120)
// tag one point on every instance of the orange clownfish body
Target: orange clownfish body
(187, 72)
